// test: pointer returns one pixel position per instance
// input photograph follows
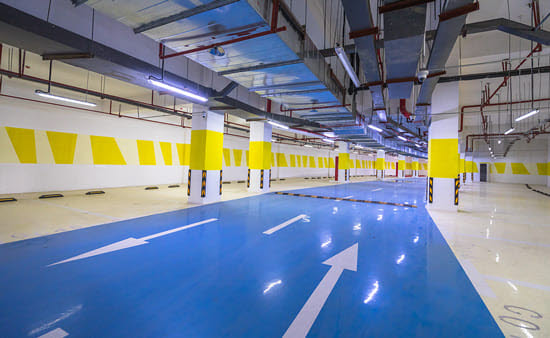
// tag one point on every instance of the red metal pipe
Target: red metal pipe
(320, 107)
(474, 136)
(91, 92)
(493, 104)
(403, 108)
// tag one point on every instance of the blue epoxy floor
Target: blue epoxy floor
(227, 278)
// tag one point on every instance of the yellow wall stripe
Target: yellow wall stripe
(519, 169)
(292, 161)
(500, 167)
(238, 155)
(23, 142)
(146, 152)
(227, 157)
(166, 149)
(105, 150)
(63, 146)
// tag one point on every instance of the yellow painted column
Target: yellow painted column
(380, 165)
(206, 159)
(259, 166)
(343, 162)
(443, 159)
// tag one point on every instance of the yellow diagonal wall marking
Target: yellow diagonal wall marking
(542, 168)
(238, 155)
(63, 146)
(128, 149)
(281, 160)
(312, 162)
(105, 150)
(320, 162)
(227, 157)
(166, 149)
(500, 167)
(7, 153)
(146, 152)
(304, 161)
(23, 142)
(292, 161)
(331, 163)
(519, 169)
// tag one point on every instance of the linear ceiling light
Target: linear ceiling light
(278, 125)
(177, 90)
(509, 131)
(61, 98)
(531, 113)
(308, 146)
(373, 127)
(401, 138)
(347, 65)
(328, 140)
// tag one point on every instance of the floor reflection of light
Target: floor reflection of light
(394, 209)
(497, 258)
(415, 240)
(334, 210)
(326, 243)
(527, 334)
(400, 259)
(380, 217)
(487, 233)
(372, 293)
(357, 226)
(271, 285)
(513, 286)
(306, 219)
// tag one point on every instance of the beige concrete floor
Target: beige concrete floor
(31, 217)
(501, 237)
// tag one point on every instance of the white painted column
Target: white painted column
(462, 169)
(343, 162)
(443, 148)
(415, 167)
(401, 162)
(380, 164)
(206, 156)
(259, 153)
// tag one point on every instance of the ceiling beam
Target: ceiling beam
(491, 75)
(286, 85)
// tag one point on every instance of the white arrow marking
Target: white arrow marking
(57, 333)
(284, 224)
(130, 242)
(345, 260)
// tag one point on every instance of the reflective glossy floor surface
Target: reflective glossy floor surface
(261, 266)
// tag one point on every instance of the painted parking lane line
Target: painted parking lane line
(477, 279)
(284, 224)
(57, 333)
(345, 260)
(518, 282)
(66, 314)
(111, 218)
(130, 243)
(513, 241)
(377, 189)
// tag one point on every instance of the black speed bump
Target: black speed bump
(95, 192)
(7, 199)
(50, 196)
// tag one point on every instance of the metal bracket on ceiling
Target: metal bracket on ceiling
(67, 56)
(463, 10)
(363, 32)
(401, 5)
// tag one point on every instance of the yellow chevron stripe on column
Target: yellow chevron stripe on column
(443, 162)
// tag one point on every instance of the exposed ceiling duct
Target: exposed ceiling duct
(363, 31)
(446, 34)
(403, 40)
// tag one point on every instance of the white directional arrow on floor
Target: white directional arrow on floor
(345, 260)
(130, 242)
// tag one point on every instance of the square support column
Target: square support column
(205, 167)
(401, 166)
(380, 164)
(343, 162)
(443, 149)
(259, 170)
(415, 167)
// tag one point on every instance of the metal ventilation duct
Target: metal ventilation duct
(360, 20)
(403, 39)
(444, 41)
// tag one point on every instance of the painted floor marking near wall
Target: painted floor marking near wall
(112, 218)
(519, 282)
(544, 245)
(284, 224)
(57, 333)
(377, 189)
(477, 279)
(345, 260)
(130, 242)
(347, 199)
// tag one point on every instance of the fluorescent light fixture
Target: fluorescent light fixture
(489, 148)
(401, 138)
(499, 141)
(373, 127)
(509, 130)
(61, 98)
(418, 145)
(308, 145)
(347, 65)
(531, 113)
(176, 90)
(329, 134)
(328, 140)
(277, 125)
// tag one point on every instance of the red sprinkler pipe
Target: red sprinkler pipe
(493, 104)
(403, 108)
(482, 136)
